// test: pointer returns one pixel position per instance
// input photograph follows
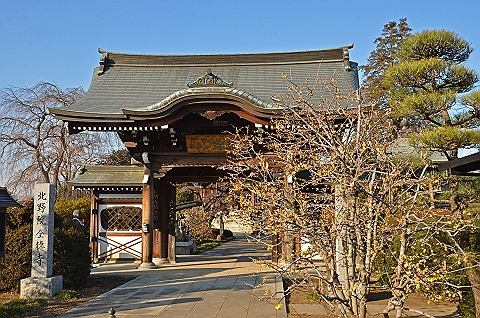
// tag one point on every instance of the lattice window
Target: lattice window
(121, 218)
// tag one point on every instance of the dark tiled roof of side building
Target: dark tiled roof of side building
(6, 199)
(135, 81)
(108, 176)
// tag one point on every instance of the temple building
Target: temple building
(173, 113)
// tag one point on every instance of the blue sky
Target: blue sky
(57, 41)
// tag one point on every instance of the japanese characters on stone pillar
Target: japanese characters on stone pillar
(41, 284)
(42, 243)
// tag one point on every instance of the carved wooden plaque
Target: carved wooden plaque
(206, 143)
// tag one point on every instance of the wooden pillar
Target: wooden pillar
(147, 220)
(172, 222)
(3, 223)
(275, 248)
(94, 227)
(161, 237)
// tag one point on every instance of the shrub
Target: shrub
(18, 307)
(67, 294)
(71, 257)
(313, 296)
(64, 209)
(214, 233)
(18, 216)
(71, 249)
(18, 257)
(197, 221)
(466, 305)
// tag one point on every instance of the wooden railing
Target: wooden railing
(120, 247)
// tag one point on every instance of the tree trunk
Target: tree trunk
(396, 303)
(474, 278)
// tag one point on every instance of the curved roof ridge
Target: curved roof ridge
(196, 91)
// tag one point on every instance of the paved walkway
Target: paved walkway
(217, 283)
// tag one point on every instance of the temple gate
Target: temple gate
(174, 113)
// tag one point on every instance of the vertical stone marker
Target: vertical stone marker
(41, 284)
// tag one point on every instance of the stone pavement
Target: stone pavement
(217, 283)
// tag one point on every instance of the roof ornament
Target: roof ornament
(346, 58)
(103, 60)
(212, 114)
(209, 80)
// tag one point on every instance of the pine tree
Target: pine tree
(381, 58)
(432, 89)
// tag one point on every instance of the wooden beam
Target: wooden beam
(462, 166)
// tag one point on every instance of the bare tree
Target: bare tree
(330, 176)
(35, 146)
(214, 205)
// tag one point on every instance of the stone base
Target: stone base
(160, 261)
(40, 287)
(185, 248)
(146, 265)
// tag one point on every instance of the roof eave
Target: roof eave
(67, 115)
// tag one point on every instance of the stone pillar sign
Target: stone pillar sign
(42, 245)
(41, 284)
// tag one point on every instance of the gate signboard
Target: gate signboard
(206, 143)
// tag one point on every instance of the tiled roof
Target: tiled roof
(6, 199)
(140, 82)
(108, 176)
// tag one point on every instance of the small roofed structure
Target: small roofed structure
(116, 210)
(463, 166)
(5, 201)
(115, 221)
(109, 178)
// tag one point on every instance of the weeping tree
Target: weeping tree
(35, 146)
(328, 177)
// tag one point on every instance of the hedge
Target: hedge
(71, 257)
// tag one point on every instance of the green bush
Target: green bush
(71, 257)
(67, 294)
(18, 216)
(18, 257)
(313, 296)
(64, 209)
(71, 249)
(19, 307)
(466, 305)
